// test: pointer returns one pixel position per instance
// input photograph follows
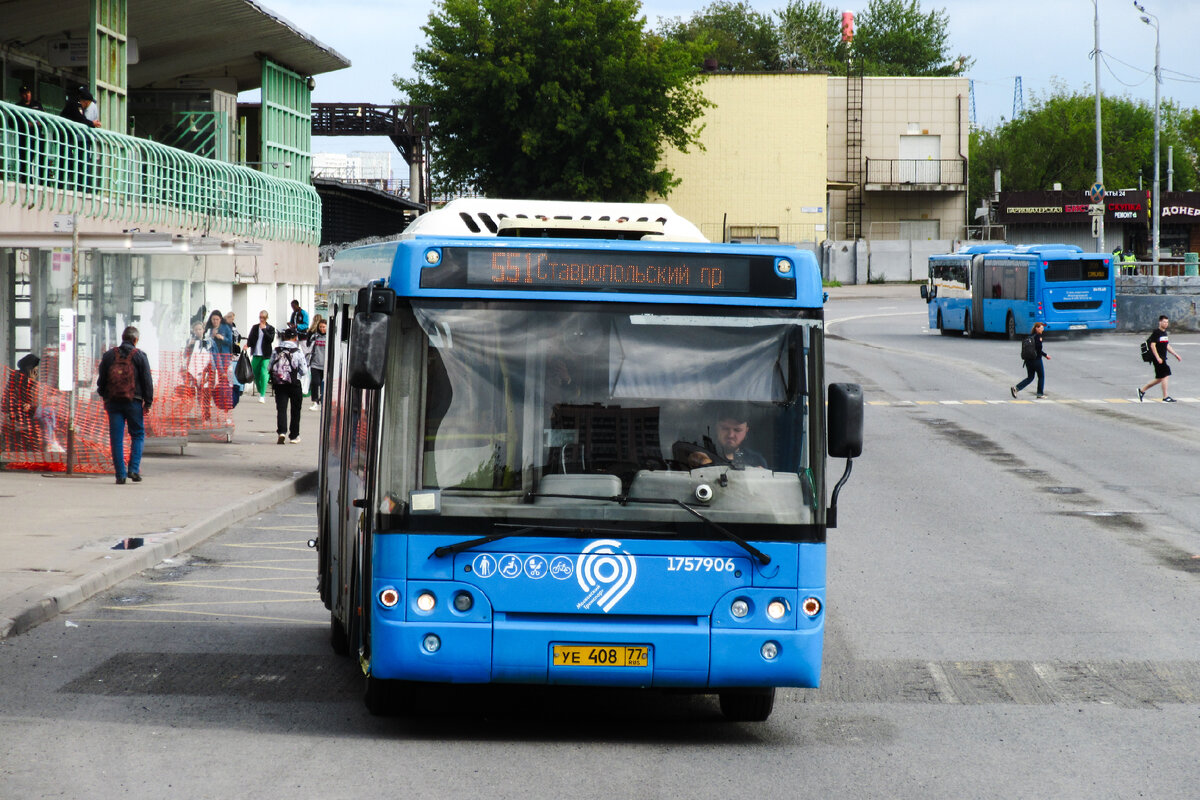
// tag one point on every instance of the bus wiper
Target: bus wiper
(525, 530)
(762, 557)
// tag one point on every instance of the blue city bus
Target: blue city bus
(999, 288)
(577, 444)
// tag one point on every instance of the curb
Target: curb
(72, 594)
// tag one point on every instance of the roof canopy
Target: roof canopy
(195, 39)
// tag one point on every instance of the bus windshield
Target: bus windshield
(533, 409)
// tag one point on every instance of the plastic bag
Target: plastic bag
(244, 372)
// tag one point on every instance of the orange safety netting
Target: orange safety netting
(191, 402)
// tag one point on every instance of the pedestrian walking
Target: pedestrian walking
(298, 321)
(26, 421)
(127, 387)
(316, 362)
(231, 321)
(1032, 354)
(260, 342)
(29, 139)
(77, 156)
(288, 367)
(1160, 345)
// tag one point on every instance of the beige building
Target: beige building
(908, 138)
(761, 173)
(797, 158)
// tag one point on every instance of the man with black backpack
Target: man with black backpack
(127, 387)
(287, 370)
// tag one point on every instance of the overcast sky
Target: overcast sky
(1042, 41)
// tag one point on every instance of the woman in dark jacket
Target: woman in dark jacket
(260, 343)
(20, 420)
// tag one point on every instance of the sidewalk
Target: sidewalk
(58, 531)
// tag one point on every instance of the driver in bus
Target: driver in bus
(732, 429)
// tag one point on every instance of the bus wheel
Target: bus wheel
(747, 705)
(337, 636)
(1010, 328)
(387, 698)
(941, 326)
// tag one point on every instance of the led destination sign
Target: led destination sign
(535, 269)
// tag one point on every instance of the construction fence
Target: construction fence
(192, 402)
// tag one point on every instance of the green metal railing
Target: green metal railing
(51, 164)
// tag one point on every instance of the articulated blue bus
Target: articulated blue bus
(1004, 289)
(575, 443)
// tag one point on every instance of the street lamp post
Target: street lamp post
(1100, 246)
(1150, 19)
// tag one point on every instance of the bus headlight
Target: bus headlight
(432, 643)
(426, 601)
(388, 597)
(463, 602)
(811, 606)
(739, 608)
(769, 650)
(776, 609)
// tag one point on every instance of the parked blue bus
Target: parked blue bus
(999, 288)
(575, 443)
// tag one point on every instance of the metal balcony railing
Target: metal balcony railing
(49, 163)
(897, 171)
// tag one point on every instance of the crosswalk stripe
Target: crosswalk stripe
(1066, 401)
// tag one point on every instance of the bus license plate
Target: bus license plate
(1077, 327)
(601, 655)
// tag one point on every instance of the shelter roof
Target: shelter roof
(199, 38)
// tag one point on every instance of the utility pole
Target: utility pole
(1150, 19)
(74, 347)
(1100, 246)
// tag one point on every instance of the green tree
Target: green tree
(895, 37)
(555, 99)
(1055, 142)
(810, 37)
(729, 36)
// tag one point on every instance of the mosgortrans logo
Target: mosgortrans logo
(605, 573)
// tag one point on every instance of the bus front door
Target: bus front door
(978, 288)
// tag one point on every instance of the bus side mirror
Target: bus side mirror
(845, 436)
(925, 292)
(367, 357)
(845, 420)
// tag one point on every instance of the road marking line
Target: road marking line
(941, 682)
(1018, 402)
(209, 603)
(322, 623)
(226, 588)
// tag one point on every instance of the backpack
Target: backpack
(122, 376)
(1147, 351)
(1028, 349)
(283, 372)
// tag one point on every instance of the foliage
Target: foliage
(894, 37)
(810, 37)
(732, 37)
(1055, 142)
(557, 100)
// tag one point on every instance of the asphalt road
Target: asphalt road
(1014, 611)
